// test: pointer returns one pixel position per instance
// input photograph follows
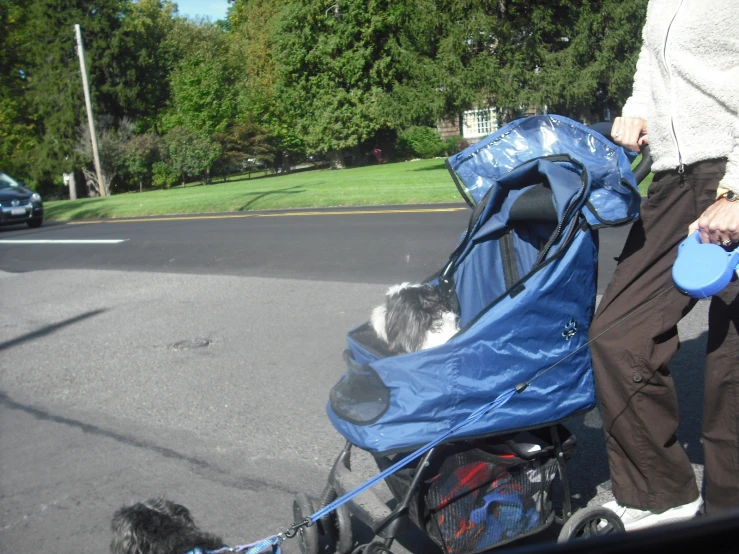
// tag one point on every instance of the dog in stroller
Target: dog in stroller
(415, 316)
(522, 282)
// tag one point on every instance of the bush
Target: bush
(422, 142)
(163, 176)
(455, 144)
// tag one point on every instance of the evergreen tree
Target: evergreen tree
(252, 26)
(202, 88)
(53, 73)
(17, 126)
(336, 67)
(592, 71)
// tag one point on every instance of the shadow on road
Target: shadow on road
(49, 329)
(198, 464)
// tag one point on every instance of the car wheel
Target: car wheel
(35, 222)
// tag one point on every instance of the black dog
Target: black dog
(159, 526)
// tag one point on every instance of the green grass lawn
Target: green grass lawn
(422, 182)
(417, 182)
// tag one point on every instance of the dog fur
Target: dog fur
(414, 317)
(158, 526)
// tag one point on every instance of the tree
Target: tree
(593, 68)
(126, 62)
(112, 148)
(202, 80)
(146, 58)
(190, 154)
(335, 68)
(55, 89)
(140, 154)
(245, 144)
(252, 51)
(17, 126)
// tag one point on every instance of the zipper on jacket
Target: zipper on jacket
(680, 167)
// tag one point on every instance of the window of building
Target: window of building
(480, 123)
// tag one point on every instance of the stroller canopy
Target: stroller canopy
(611, 199)
(524, 278)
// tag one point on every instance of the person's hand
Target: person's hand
(719, 224)
(630, 132)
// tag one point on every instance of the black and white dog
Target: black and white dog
(414, 317)
(159, 526)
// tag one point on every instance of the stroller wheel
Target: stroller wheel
(590, 522)
(343, 526)
(338, 523)
(326, 522)
(307, 536)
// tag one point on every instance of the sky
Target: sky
(215, 9)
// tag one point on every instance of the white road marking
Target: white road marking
(63, 241)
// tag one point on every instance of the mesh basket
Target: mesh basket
(478, 499)
(479, 493)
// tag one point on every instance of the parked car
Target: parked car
(19, 204)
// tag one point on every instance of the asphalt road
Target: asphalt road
(194, 359)
(367, 245)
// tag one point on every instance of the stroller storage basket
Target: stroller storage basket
(478, 494)
(479, 500)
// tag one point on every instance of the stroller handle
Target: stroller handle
(645, 164)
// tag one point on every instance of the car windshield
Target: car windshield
(5, 184)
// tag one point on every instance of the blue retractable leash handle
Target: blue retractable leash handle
(703, 269)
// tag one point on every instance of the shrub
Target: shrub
(163, 176)
(455, 144)
(422, 142)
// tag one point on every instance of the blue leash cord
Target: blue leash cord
(473, 417)
(276, 540)
(252, 548)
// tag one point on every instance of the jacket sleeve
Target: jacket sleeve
(636, 105)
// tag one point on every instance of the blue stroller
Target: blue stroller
(524, 280)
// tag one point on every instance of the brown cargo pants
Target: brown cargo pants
(638, 402)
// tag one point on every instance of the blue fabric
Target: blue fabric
(485, 162)
(506, 339)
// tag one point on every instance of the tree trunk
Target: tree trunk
(336, 157)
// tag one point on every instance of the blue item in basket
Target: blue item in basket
(703, 269)
(503, 516)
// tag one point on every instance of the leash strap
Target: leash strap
(476, 415)
(273, 543)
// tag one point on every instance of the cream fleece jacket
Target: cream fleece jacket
(687, 84)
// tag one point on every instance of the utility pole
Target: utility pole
(88, 103)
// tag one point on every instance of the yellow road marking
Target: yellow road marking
(281, 214)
